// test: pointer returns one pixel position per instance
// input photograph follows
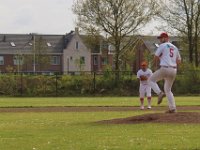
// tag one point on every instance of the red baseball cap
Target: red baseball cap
(163, 35)
(144, 63)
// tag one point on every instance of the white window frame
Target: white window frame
(17, 60)
(97, 60)
(55, 60)
(2, 60)
(82, 59)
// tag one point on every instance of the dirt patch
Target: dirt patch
(91, 109)
(181, 117)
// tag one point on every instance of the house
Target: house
(68, 53)
(15, 48)
(76, 55)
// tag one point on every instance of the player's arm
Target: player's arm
(138, 76)
(156, 61)
(157, 56)
(178, 59)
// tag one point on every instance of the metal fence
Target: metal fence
(107, 83)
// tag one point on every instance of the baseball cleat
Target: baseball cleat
(171, 111)
(149, 107)
(160, 97)
(142, 108)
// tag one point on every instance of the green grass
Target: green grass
(88, 101)
(76, 131)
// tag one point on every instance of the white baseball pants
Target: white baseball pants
(168, 74)
(145, 90)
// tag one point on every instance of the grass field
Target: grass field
(77, 130)
(89, 101)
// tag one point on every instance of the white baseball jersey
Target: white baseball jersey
(168, 54)
(146, 73)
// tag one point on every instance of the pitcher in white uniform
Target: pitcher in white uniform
(145, 89)
(169, 58)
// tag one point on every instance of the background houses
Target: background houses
(69, 53)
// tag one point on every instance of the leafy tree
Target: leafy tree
(117, 18)
(184, 17)
(39, 56)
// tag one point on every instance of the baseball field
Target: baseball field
(97, 124)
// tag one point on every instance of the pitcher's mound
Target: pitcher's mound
(181, 117)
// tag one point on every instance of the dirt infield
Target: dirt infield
(182, 117)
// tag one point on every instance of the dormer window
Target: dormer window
(12, 44)
(157, 45)
(49, 44)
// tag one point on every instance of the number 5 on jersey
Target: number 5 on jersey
(171, 50)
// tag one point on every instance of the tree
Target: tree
(184, 16)
(117, 18)
(39, 56)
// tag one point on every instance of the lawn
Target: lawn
(77, 130)
(89, 101)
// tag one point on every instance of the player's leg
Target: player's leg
(142, 95)
(169, 80)
(148, 92)
(157, 76)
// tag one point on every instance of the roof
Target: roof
(13, 43)
(151, 42)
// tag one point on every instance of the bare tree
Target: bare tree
(117, 18)
(184, 17)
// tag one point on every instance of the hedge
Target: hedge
(86, 85)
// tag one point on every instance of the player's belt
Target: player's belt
(169, 67)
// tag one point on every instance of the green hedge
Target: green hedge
(85, 85)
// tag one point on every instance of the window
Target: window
(77, 45)
(82, 60)
(157, 45)
(12, 44)
(17, 60)
(104, 60)
(55, 60)
(111, 49)
(95, 60)
(48, 44)
(1, 60)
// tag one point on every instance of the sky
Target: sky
(36, 16)
(43, 17)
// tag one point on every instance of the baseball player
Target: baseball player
(169, 58)
(143, 74)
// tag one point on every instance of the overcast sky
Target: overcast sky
(36, 16)
(41, 16)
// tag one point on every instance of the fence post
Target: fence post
(21, 88)
(94, 81)
(56, 84)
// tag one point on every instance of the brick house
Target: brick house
(69, 53)
(15, 47)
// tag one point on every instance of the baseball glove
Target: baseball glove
(143, 78)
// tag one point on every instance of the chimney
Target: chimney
(77, 30)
